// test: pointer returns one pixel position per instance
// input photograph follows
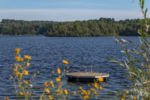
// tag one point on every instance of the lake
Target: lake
(84, 54)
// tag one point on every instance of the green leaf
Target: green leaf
(116, 61)
(142, 4)
(140, 1)
(145, 14)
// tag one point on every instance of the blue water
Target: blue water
(84, 54)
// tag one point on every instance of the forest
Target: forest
(89, 28)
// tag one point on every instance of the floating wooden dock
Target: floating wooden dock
(86, 76)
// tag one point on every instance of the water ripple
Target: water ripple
(84, 54)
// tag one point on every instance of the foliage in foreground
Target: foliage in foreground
(137, 61)
(52, 89)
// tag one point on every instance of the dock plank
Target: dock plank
(86, 76)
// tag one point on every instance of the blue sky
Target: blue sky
(68, 10)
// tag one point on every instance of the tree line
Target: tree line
(100, 27)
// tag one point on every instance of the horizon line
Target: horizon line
(67, 14)
(71, 21)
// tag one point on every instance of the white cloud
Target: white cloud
(65, 14)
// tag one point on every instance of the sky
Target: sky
(69, 10)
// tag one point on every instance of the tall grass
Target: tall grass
(137, 61)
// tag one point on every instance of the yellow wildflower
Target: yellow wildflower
(101, 79)
(58, 79)
(80, 87)
(96, 85)
(74, 92)
(50, 97)
(66, 92)
(27, 64)
(101, 88)
(134, 98)
(58, 70)
(92, 89)
(15, 70)
(17, 58)
(19, 86)
(25, 82)
(59, 91)
(122, 99)
(65, 61)
(127, 92)
(18, 74)
(25, 72)
(86, 97)
(84, 92)
(21, 93)
(88, 92)
(21, 59)
(27, 57)
(6, 98)
(20, 66)
(47, 90)
(17, 50)
(52, 84)
(46, 84)
(95, 93)
(37, 72)
(79, 92)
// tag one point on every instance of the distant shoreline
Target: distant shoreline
(91, 28)
(78, 36)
